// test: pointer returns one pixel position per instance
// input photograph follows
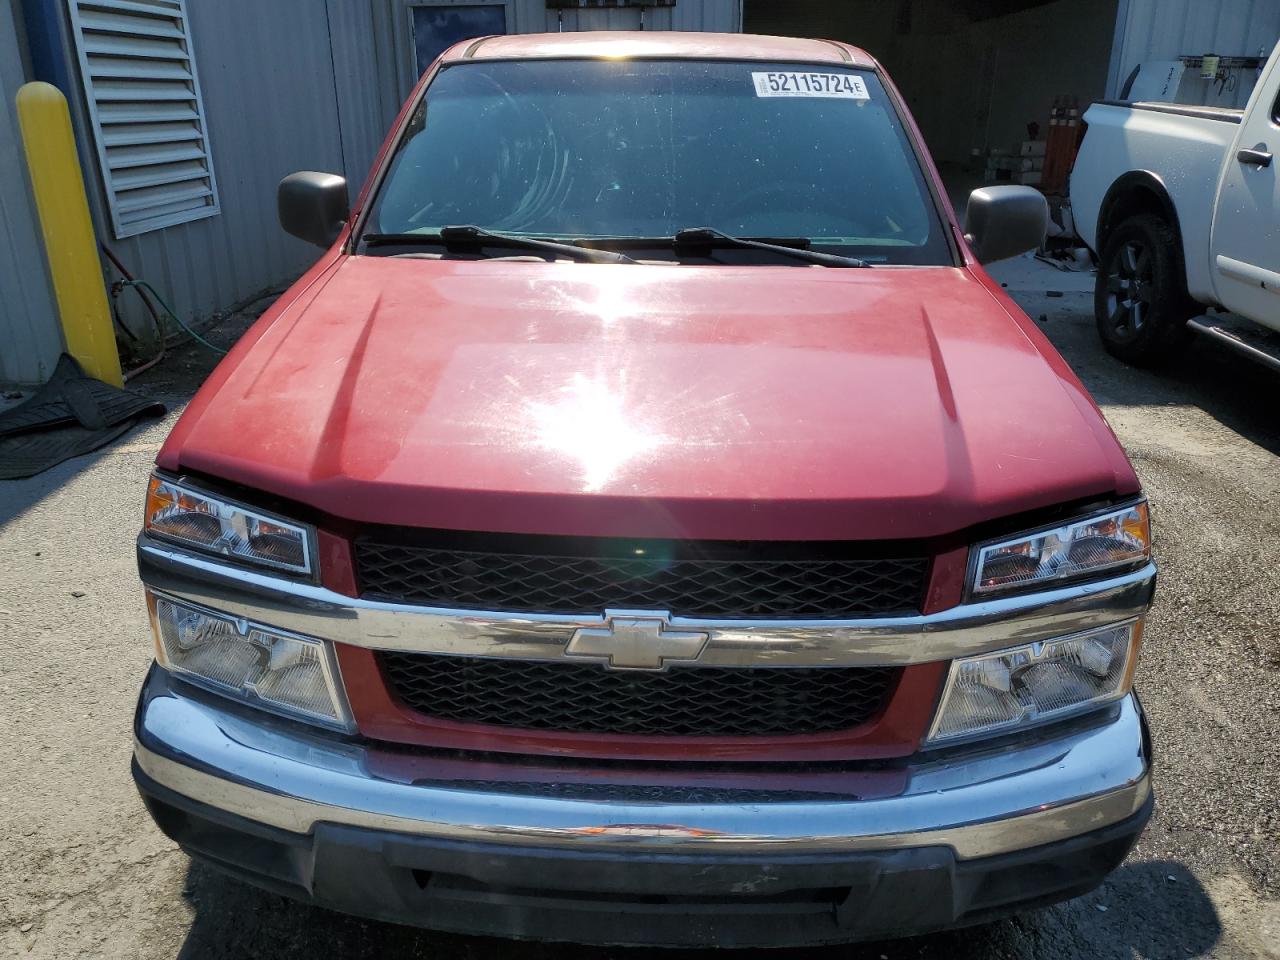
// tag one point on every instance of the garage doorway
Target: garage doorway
(974, 73)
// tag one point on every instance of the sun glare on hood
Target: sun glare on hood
(588, 422)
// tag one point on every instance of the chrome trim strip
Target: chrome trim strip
(968, 629)
(982, 803)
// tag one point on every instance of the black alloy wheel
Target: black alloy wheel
(1140, 302)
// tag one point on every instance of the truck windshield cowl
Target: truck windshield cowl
(610, 152)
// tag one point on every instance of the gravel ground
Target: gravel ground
(85, 874)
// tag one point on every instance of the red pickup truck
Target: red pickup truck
(649, 524)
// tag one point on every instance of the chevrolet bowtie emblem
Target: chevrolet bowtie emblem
(631, 641)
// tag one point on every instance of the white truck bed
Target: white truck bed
(1183, 146)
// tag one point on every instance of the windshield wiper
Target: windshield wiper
(469, 235)
(707, 236)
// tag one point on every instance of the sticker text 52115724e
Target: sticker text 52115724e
(801, 84)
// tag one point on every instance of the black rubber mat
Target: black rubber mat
(70, 415)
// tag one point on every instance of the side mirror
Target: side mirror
(1002, 222)
(313, 206)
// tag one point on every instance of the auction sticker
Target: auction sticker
(795, 84)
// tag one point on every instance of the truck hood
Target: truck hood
(599, 400)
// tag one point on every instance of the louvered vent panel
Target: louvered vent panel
(148, 119)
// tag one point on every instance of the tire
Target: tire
(1140, 300)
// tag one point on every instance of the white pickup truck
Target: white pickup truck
(1181, 206)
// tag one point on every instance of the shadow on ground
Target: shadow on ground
(1237, 392)
(19, 496)
(1150, 910)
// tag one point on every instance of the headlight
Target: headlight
(281, 672)
(1038, 682)
(1109, 541)
(182, 513)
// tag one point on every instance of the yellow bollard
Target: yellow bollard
(58, 185)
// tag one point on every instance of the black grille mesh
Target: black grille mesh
(586, 698)
(724, 588)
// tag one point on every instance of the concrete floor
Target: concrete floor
(85, 874)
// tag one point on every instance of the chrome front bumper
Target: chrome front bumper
(979, 802)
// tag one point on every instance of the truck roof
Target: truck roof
(658, 44)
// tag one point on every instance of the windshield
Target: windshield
(576, 149)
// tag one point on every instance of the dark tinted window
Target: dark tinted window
(597, 148)
(437, 28)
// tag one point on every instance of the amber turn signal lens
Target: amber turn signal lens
(179, 512)
(1107, 542)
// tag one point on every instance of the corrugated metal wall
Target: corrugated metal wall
(30, 338)
(271, 107)
(296, 85)
(364, 113)
(616, 19)
(712, 16)
(1166, 29)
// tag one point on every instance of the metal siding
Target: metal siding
(712, 16)
(659, 18)
(1167, 29)
(30, 337)
(360, 113)
(271, 110)
(392, 67)
(605, 19)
